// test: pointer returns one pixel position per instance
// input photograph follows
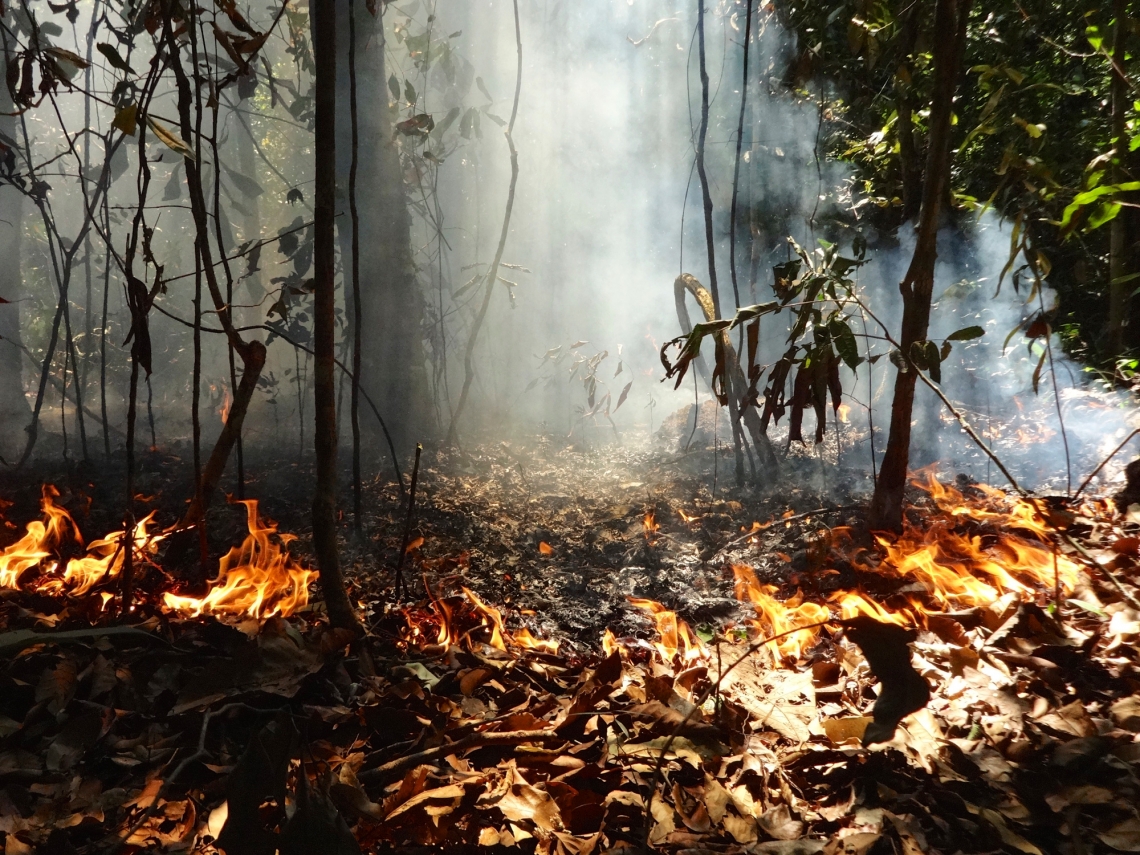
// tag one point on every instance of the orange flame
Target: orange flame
(963, 570)
(650, 524)
(843, 412)
(258, 579)
(103, 559)
(227, 402)
(675, 636)
(774, 617)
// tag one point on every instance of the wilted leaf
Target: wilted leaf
(112, 56)
(126, 120)
(171, 140)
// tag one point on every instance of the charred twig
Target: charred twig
(1104, 463)
(399, 586)
(482, 739)
(743, 537)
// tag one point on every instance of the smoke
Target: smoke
(608, 212)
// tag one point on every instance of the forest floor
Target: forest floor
(563, 677)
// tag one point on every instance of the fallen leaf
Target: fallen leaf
(904, 691)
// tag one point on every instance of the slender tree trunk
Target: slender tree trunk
(14, 409)
(1119, 289)
(950, 20)
(909, 156)
(354, 212)
(323, 17)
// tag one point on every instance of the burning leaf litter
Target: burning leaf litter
(477, 732)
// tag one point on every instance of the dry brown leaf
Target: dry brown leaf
(451, 793)
(742, 828)
(663, 822)
(779, 823)
(1126, 713)
(1072, 718)
(783, 701)
(852, 844)
(520, 801)
(840, 730)
(1124, 836)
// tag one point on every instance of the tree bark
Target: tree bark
(917, 287)
(323, 18)
(14, 409)
(393, 369)
(1118, 289)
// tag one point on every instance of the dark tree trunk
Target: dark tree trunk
(917, 287)
(323, 17)
(393, 372)
(14, 409)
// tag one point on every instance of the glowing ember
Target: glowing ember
(103, 559)
(688, 518)
(675, 636)
(258, 579)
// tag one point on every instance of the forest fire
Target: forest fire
(101, 560)
(258, 579)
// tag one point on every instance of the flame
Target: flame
(609, 642)
(650, 524)
(258, 579)
(964, 569)
(688, 518)
(842, 412)
(227, 402)
(102, 559)
(774, 617)
(674, 635)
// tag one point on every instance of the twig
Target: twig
(742, 537)
(937, 390)
(1104, 463)
(493, 273)
(481, 739)
(399, 575)
(1129, 598)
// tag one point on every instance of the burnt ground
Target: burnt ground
(210, 735)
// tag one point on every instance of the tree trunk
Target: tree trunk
(323, 17)
(909, 155)
(950, 17)
(1118, 288)
(393, 371)
(14, 409)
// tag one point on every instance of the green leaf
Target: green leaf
(966, 334)
(1105, 213)
(845, 343)
(172, 141)
(113, 57)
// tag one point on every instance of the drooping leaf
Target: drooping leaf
(966, 334)
(126, 120)
(112, 56)
(623, 395)
(170, 139)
